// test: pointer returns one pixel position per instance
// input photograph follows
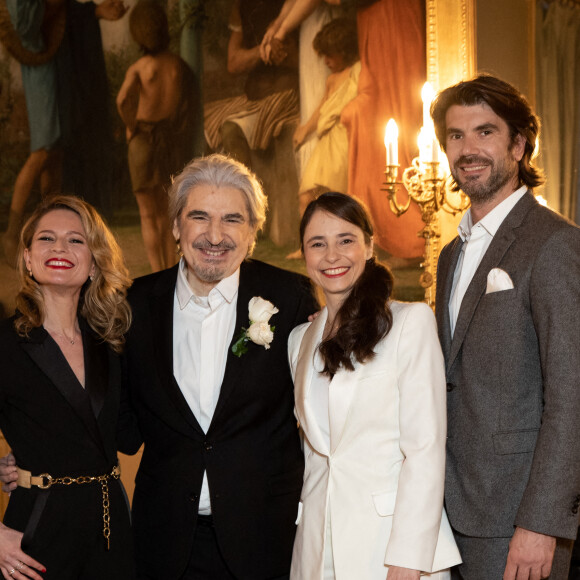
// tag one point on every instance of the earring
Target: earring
(30, 273)
(91, 277)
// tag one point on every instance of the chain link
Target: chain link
(49, 481)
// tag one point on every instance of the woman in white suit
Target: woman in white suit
(370, 398)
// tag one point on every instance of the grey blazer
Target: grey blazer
(513, 381)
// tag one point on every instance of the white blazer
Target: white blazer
(381, 480)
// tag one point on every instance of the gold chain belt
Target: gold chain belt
(46, 481)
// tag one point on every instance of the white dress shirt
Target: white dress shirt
(203, 327)
(477, 238)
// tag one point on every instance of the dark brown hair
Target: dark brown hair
(149, 27)
(364, 317)
(506, 102)
(338, 37)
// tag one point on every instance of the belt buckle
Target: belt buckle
(46, 481)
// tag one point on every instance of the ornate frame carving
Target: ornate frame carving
(450, 41)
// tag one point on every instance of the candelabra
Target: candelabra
(427, 184)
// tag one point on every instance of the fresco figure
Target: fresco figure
(309, 16)
(393, 70)
(248, 122)
(156, 104)
(84, 104)
(328, 165)
(31, 20)
(58, 43)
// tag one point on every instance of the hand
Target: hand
(398, 573)
(530, 556)
(8, 473)
(314, 316)
(299, 137)
(111, 10)
(265, 48)
(13, 558)
(278, 51)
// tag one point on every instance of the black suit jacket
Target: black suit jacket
(55, 426)
(251, 451)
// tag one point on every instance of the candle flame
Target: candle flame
(427, 93)
(391, 132)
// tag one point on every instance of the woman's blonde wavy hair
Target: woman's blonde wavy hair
(103, 301)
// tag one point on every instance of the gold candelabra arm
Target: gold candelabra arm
(390, 186)
(448, 205)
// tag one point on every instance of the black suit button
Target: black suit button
(575, 510)
(207, 446)
(193, 496)
(450, 387)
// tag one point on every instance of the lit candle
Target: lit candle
(435, 150)
(424, 144)
(391, 142)
(427, 96)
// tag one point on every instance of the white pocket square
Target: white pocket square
(498, 280)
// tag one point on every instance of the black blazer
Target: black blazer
(251, 451)
(55, 426)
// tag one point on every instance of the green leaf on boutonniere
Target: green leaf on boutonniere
(240, 347)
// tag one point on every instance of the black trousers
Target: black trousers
(206, 561)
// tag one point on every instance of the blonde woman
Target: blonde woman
(59, 400)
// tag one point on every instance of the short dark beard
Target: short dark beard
(481, 192)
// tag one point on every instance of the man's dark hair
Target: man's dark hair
(149, 27)
(506, 102)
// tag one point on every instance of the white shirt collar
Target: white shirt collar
(226, 288)
(491, 221)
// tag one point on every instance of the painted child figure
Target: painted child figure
(327, 168)
(156, 103)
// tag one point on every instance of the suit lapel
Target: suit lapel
(49, 358)
(500, 244)
(161, 303)
(234, 370)
(340, 396)
(447, 267)
(303, 381)
(96, 369)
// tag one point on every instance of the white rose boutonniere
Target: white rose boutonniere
(260, 332)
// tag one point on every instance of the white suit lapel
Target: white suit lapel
(342, 388)
(303, 380)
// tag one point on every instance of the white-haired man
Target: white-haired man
(218, 486)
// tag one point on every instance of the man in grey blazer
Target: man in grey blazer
(508, 310)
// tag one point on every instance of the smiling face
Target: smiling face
(336, 253)
(215, 235)
(482, 155)
(59, 256)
